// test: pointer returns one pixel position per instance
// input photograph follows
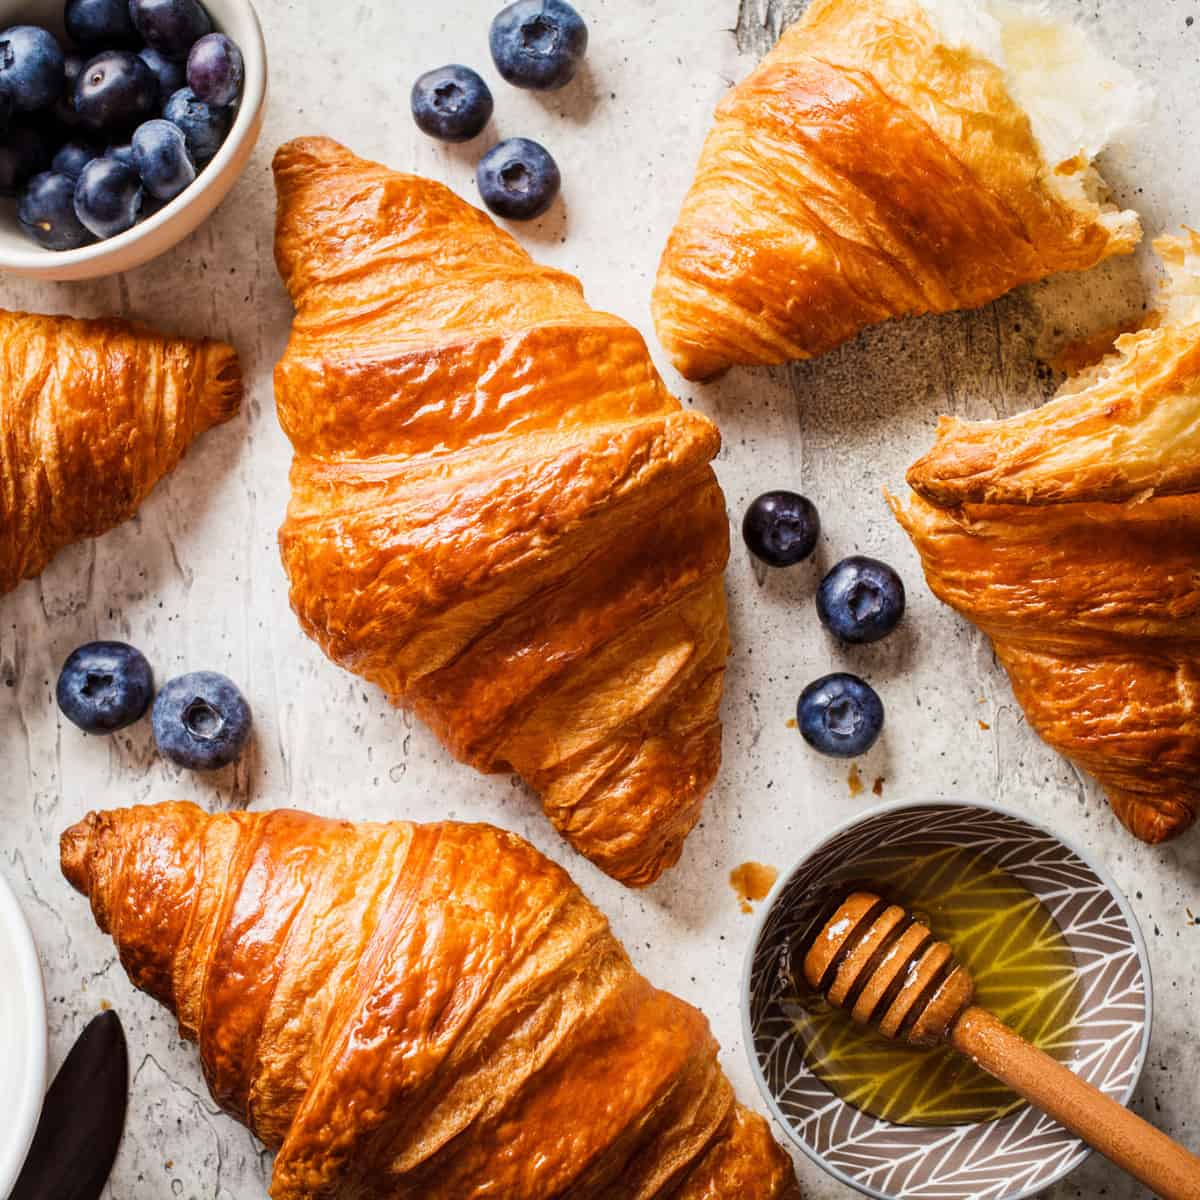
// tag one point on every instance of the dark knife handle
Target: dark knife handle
(82, 1119)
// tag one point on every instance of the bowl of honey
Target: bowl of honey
(1055, 952)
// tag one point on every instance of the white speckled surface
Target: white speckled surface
(195, 580)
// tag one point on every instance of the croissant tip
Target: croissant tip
(75, 852)
(311, 150)
(223, 386)
(917, 475)
(1154, 823)
(695, 362)
(699, 369)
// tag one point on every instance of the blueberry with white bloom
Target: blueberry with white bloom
(161, 158)
(105, 686)
(518, 179)
(538, 44)
(108, 197)
(201, 721)
(452, 104)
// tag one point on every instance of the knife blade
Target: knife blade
(82, 1119)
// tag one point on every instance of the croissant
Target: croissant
(890, 158)
(92, 415)
(432, 1011)
(1071, 536)
(499, 514)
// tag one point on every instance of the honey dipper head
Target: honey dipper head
(887, 970)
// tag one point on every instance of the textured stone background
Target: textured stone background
(195, 580)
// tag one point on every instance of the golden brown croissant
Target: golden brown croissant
(499, 514)
(1071, 536)
(92, 415)
(879, 163)
(432, 1012)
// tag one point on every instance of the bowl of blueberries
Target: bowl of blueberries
(123, 124)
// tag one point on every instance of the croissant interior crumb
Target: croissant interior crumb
(1078, 99)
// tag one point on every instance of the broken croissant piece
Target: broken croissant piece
(92, 415)
(417, 1011)
(499, 514)
(1071, 536)
(891, 158)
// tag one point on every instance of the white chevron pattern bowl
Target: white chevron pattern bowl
(1006, 1159)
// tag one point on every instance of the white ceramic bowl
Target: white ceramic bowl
(187, 211)
(22, 1038)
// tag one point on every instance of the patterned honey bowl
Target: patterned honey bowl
(1007, 1158)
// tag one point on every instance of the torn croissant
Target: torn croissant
(499, 514)
(410, 1011)
(1071, 536)
(92, 415)
(891, 158)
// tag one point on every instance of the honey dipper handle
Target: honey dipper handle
(1120, 1135)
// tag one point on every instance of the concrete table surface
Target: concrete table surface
(195, 579)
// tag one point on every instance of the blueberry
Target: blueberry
(64, 106)
(172, 27)
(781, 528)
(518, 179)
(151, 205)
(116, 90)
(31, 67)
(161, 157)
(73, 65)
(204, 127)
(105, 686)
(23, 153)
(6, 112)
(108, 197)
(98, 23)
(215, 70)
(122, 153)
(201, 721)
(47, 212)
(72, 157)
(860, 600)
(171, 75)
(840, 715)
(452, 104)
(538, 44)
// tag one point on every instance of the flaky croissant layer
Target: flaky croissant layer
(871, 167)
(499, 514)
(1070, 535)
(405, 1011)
(92, 415)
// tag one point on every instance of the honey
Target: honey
(1024, 972)
(752, 881)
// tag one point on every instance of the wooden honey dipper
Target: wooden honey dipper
(888, 970)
